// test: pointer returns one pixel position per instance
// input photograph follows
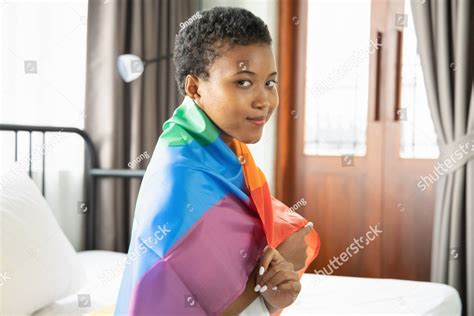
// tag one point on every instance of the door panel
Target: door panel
(344, 192)
(350, 197)
(407, 211)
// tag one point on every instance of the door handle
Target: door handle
(397, 112)
(378, 62)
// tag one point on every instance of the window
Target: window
(337, 74)
(417, 135)
(43, 59)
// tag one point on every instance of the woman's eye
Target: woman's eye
(244, 83)
(271, 83)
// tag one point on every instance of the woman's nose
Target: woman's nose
(261, 103)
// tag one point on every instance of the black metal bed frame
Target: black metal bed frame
(91, 169)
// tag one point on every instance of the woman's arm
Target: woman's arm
(293, 249)
(247, 297)
(284, 296)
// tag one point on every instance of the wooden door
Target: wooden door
(370, 221)
(407, 210)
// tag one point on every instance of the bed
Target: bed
(57, 280)
(320, 295)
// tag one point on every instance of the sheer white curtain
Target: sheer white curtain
(42, 82)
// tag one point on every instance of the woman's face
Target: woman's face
(241, 93)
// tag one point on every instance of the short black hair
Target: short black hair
(198, 43)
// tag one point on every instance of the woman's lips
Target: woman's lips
(257, 121)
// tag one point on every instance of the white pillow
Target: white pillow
(38, 264)
(104, 271)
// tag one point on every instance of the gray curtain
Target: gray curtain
(125, 120)
(445, 36)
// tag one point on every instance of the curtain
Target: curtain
(445, 31)
(125, 120)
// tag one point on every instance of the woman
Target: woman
(208, 238)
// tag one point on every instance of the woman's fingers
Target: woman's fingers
(274, 269)
(290, 285)
(275, 280)
(270, 255)
(307, 228)
(278, 273)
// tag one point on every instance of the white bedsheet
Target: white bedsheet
(336, 295)
(320, 295)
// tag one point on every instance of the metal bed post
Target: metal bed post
(91, 170)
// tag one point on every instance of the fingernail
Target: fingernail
(263, 289)
(275, 288)
(257, 288)
(261, 270)
(309, 224)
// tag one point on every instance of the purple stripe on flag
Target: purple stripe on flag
(208, 268)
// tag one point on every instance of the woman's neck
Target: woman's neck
(227, 139)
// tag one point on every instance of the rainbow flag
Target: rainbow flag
(204, 213)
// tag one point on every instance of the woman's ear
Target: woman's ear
(191, 86)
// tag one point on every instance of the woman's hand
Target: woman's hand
(277, 280)
(294, 247)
